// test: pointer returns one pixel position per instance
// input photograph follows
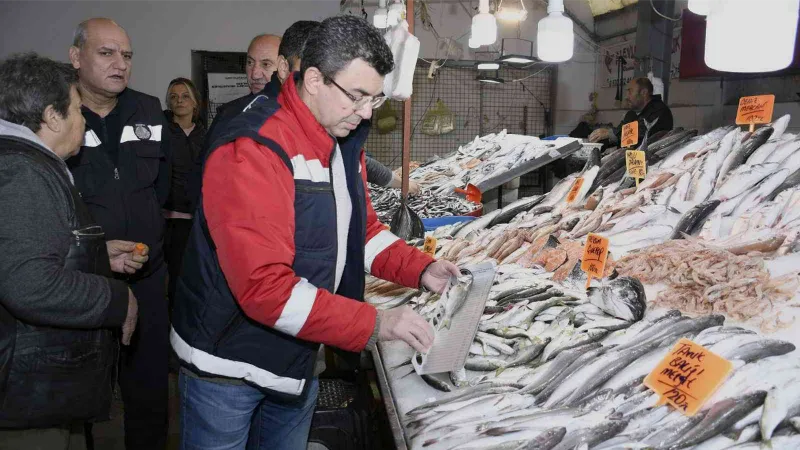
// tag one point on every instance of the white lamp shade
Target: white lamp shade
(484, 29)
(396, 13)
(473, 43)
(734, 45)
(380, 18)
(555, 38)
(700, 7)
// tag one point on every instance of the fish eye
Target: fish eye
(419, 358)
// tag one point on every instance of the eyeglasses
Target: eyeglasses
(374, 101)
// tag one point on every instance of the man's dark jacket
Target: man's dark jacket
(656, 109)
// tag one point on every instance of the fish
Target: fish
(455, 297)
(554, 368)
(591, 436)
(436, 383)
(550, 387)
(623, 297)
(514, 438)
(779, 126)
(780, 404)
(784, 151)
(743, 179)
(693, 220)
(511, 210)
(763, 152)
(527, 354)
(639, 368)
(478, 224)
(719, 418)
(790, 182)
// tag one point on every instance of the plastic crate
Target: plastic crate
(341, 419)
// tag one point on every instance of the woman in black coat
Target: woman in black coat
(187, 134)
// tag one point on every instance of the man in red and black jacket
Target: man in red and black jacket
(282, 238)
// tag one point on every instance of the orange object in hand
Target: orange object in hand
(140, 249)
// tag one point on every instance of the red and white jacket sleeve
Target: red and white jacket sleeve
(387, 256)
(248, 200)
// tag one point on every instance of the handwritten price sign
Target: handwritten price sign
(636, 164)
(595, 254)
(755, 109)
(573, 191)
(430, 246)
(630, 134)
(688, 376)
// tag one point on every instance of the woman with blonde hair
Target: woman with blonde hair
(187, 134)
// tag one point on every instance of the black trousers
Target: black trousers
(175, 238)
(143, 376)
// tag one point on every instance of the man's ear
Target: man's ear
(74, 57)
(52, 119)
(313, 80)
(284, 71)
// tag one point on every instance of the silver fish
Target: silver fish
(778, 405)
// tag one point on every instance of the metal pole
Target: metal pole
(407, 115)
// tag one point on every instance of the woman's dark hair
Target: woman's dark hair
(29, 83)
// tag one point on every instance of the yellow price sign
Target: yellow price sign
(630, 134)
(688, 376)
(636, 164)
(429, 247)
(595, 254)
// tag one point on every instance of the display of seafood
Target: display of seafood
(710, 237)
(482, 159)
(426, 205)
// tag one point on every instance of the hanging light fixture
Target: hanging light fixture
(555, 38)
(396, 13)
(731, 46)
(516, 51)
(484, 26)
(473, 43)
(491, 79)
(485, 61)
(381, 17)
(511, 13)
(699, 7)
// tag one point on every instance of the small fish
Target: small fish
(779, 405)
(455, 297)
(591, 436)
(527, 354)
(622, 297)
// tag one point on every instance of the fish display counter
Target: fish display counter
(706, 248)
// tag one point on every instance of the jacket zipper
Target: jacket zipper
(335, 211)
(305, 188)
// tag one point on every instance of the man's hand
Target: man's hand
(129, 326)
(599, 135)
(404, 324)
(437, 274)
(123, 258)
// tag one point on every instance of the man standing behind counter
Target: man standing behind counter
(282, 238)
(122, 174)
(644, 105)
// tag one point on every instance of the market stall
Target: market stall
(704, 247)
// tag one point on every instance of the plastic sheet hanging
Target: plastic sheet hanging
(397, 84)
(439, 120)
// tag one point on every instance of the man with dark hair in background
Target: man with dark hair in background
(122, 173)
(59, 304)
(644, 106)
(282, 239)
(260, 66)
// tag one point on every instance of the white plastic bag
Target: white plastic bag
(405, 48)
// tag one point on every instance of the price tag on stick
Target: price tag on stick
(688, 376)
(636, 165)
(430, 246)
(595, 254)
(630, 134)
(573, 191)
(755, 109)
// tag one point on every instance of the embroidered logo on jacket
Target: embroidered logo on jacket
(142, 131)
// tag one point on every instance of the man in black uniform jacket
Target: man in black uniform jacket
(644, 106)
(262, 62)
(122, 173)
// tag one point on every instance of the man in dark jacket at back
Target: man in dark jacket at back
(58, 304)
(122, 173)
(262, 62)
(644, 107)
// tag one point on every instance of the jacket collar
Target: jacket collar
(22, 133)
(289, 99)
(273, 88)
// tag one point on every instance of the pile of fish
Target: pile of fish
(482, 159)
(426, 204)
(735, 193)
(552, 368)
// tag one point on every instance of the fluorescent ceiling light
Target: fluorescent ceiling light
(381, 17)
(488, 66)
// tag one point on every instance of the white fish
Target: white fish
(727, 163)
(780, 404)
(762, 153)
(641, 234)
(792, 162)
(708, 177)
(636, 220)
(784, 151)
(681, 189)
(588, 180)
(677, 157)
(663, 197)
(743, 179)
(726, 145)
(756, 195)
(779, 126)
